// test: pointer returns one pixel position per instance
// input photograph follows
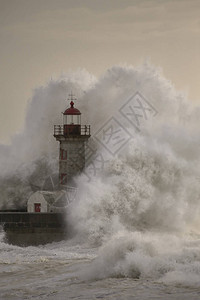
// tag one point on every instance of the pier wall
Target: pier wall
(24, 229)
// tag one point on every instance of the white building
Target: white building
(45, 201)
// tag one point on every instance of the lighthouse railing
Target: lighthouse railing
(85, 129)
(59, 130)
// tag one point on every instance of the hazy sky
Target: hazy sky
(41, 38)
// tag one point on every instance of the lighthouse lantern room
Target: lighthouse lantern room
(72, 120)
(72, 137)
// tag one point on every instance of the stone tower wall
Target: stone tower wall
(72, 158)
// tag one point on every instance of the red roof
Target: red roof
(71, 110)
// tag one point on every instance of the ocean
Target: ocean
(56, 271)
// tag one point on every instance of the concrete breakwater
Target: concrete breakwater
(25, 229)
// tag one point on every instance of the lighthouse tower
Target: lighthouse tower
(72, 137)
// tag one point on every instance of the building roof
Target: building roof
(59, 198)
(48, 196)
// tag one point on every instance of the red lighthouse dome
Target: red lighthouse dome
(72, 110)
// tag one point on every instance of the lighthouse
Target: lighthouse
(72, 136)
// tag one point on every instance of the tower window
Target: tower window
(63, 178)
(63, 154)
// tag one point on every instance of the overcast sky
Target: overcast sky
(41, 38)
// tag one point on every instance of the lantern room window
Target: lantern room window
(71, 119)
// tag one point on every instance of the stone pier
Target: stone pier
(25, 229)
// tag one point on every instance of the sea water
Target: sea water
(53, 272)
